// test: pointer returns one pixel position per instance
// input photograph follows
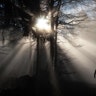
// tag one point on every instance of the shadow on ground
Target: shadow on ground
(32, 86)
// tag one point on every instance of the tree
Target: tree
(61, 16)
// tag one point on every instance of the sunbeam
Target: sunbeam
(83, 58)
(20, 64)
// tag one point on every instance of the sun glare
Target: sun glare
(43, 25)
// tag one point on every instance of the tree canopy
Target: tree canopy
(64, 12)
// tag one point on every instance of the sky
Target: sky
(86, 6)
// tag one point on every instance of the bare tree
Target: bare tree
(25, 11)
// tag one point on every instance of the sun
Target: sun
(43, 25)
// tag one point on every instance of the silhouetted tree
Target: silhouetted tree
(28, 9)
